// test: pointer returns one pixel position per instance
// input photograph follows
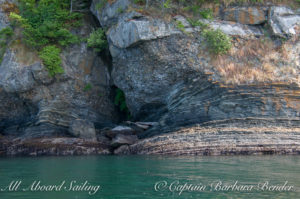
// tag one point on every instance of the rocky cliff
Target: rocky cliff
(35, 104)
(193, 101)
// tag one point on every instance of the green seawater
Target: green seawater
(144, 177)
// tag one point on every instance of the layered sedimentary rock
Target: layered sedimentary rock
(159, 66)
(168, 75)
(227, 139)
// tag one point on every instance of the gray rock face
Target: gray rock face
(82, 92)
(128, 33)
(283, 21)
(83, 129)
(124, 130)
(14, 77)
(235, 29)
(108, 14)
(131, 32)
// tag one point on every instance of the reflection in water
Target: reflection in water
(135, 176)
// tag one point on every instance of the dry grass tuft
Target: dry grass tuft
(259, 61)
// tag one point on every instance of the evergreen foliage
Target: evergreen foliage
(46, 26)
(218, 42)
(97, 40)
(51, 59)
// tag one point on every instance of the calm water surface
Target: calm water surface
(136, 176)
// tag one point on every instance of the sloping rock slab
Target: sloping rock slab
(124, 140)
(222, 141)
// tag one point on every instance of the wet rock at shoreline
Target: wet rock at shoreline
(124, 140)
(122, 150)
(83, 129)
(124, 130)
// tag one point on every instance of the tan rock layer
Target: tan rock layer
(222, 141)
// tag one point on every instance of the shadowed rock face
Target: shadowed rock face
(109, 14)
(34, 104)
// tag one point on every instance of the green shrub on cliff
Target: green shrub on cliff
(218, 42)
(46, 23)
(51, 59)
(180, 26)
(206, 14)
(97, 40)
(5, 35)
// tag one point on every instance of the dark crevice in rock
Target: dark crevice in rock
(124, 114)
(105, 55)
(108, 62)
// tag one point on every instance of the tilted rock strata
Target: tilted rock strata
(169, 76)
(222, 141)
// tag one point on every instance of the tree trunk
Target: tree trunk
(71, 7)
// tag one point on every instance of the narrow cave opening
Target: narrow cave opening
(117, 96)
